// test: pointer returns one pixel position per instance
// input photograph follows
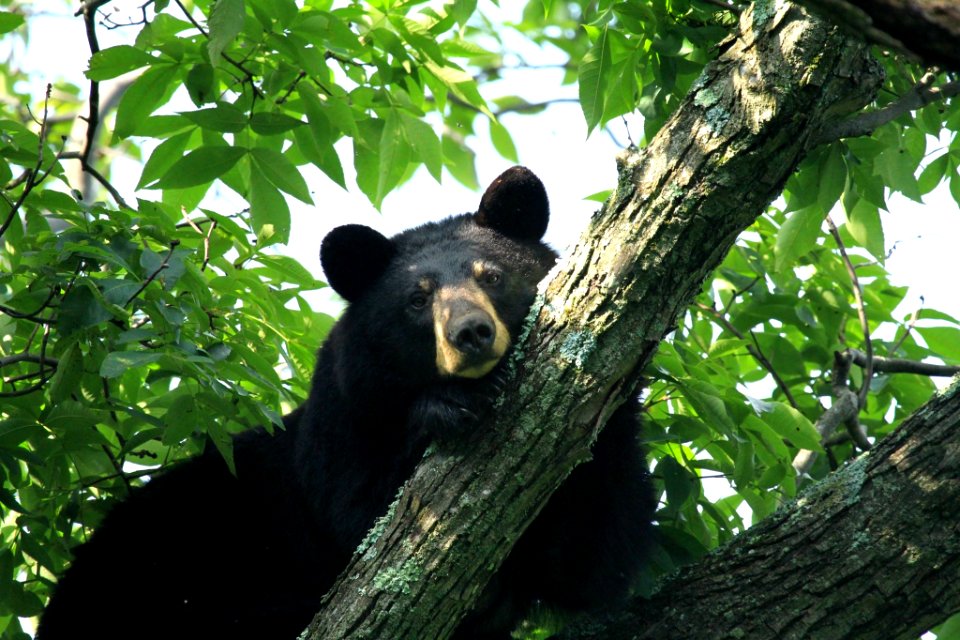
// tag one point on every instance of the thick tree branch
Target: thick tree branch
(866, 123)
(926, 29)
(879, 536)
(678, 208)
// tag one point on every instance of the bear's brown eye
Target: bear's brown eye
(419, 300)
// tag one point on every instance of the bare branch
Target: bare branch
(43, 372)
(910, 325)
(34, 175)
(901, 365)
(89, 11)
(163, 265)
(865, 123)
(861, 312)
(28, 357)
(845, 407)
(921, 29)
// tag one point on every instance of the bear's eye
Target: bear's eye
(419, 299)
(491, 277)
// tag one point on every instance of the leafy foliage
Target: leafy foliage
(124, 327)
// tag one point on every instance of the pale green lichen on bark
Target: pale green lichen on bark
(763, 11)
(398, 579)
(367, 547)
(577, 347)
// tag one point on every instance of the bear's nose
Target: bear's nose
(473, 334)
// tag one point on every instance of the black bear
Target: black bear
(415, 358)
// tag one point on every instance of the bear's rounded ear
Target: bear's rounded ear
(353, 257)
(515, 204)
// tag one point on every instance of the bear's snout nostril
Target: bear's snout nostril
(474, 335)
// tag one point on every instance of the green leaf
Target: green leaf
(863, 223)
(743, 467)
(460, 162)
(115, 61)
(163, 157)
(201, 84)
(69, 372)
(797, 236)
(833, 176)
(201, 165)
(424, 142)
(955, 187)
(321, 153)
(224, 117)
(394, 156)
(142, 97)
(461, 84)
(71, 414)
(461, 10)
(10, 21)
(118, 362)
(933, 174)
(791, 425)
(897, 169)
(949, 630)
(281, 173)
(270, 124)
(943, 341)
(502, 142)
(226, 21)
(268, 209)
(676, 480)
(181, 420)
(81, 308)
(709, 406)
(593, 75)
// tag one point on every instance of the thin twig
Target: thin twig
(163, 265)
(32, 316)
(42, 361)
(861, 312)
(247, 74)
(31, 178)
(910, 325)
(753, 351)
(116, 463)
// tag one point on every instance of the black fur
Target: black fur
(198, 553)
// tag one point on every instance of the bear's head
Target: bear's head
(445, 299)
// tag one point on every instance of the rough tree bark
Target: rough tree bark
(677, 209)
(872, 551)
(927, 29)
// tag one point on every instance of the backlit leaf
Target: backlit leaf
(201, 165)
(115, 61)
(797, 236)
(226, 21)
(281, 173)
